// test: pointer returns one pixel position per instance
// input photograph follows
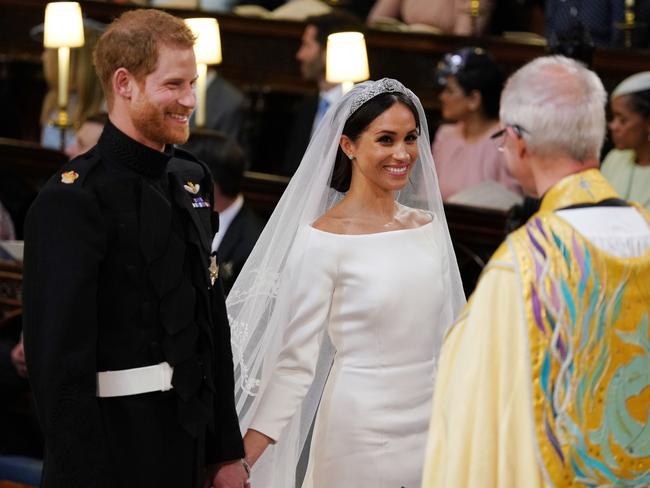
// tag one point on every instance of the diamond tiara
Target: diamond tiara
(373, 89)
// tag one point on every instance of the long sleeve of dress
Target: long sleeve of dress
(310, 284)
(481, 431)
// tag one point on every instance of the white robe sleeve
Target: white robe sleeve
(481, 431)
(310, 280)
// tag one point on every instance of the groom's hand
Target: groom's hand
(230, 475)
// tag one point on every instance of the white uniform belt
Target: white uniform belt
(135, 380)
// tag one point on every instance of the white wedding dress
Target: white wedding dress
(380, 299)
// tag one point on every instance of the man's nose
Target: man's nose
(188, 99)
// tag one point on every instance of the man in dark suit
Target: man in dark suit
(598, 17)
(239, 226)
(225, 107)
(126, 334)
(311, 55)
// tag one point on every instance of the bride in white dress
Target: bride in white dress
(341, 308)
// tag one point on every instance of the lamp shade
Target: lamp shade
(63, 25)
(346, 58)
(207, 47)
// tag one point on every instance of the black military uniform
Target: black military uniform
(117, 257)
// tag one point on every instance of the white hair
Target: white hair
(560, 104)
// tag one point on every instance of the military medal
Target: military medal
(193, 188)
(198, 202)
(69, 177)
(214, 269)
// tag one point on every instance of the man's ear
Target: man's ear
(522, 147)
(123, 83)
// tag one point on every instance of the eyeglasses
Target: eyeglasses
(499, 137)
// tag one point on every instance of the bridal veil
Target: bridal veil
(258, 302)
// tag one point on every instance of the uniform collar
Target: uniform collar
(585, 187)
(121, 149)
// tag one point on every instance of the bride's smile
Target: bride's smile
(384, 154)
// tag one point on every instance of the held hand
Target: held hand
(18, 359)
(230, 475)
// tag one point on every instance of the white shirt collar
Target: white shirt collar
(226, 217)
(333, 94)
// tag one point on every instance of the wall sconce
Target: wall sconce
(346, 59)
(63, 30)
(207, 50)
(630, 22)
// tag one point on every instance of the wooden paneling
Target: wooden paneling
(259, 57)
(261, 53)
(24, 168)
(11, 281)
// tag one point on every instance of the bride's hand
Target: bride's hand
(254, 444)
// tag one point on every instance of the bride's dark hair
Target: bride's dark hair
(359, 122)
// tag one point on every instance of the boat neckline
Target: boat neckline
(395, 231)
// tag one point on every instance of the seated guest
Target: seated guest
(450, 17)
(575, 43)
(641, 37)
(544, 379)
(627, 167)
(602, 19)
(87, 135)
(239, 227)
(311, 57)
(463, 153)
(7, 231)
(86, 95)
(225, 107)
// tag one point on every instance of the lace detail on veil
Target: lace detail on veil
(263, 284)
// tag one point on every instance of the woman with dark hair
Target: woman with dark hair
(340, 310)
(462, 150)
(627, 167)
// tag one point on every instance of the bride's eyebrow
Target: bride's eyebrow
(392, 132)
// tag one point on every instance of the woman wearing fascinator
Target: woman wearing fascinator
(339, 313)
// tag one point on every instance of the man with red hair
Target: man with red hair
(126, 333)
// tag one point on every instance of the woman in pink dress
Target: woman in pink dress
(463, 153)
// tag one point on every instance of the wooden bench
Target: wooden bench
(11, 283)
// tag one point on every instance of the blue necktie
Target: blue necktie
(323, 105)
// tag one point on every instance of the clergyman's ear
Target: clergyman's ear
(522, 147)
